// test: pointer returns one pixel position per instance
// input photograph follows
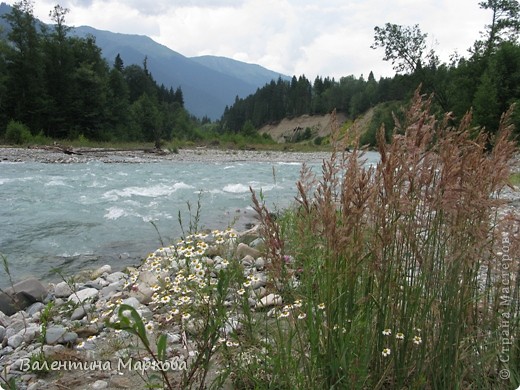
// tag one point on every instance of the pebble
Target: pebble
(34, 308)
(260, 263)
(15, 341)
(100, 271)
(83, 295)
(269, 300)
(59, 334)
(62, 290)
(98, 385)
(19, 332)
(115, 277)
(132, 301)
(79, 313)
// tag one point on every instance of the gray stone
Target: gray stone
(145, 313)
(79, 313)
(259, 280)
(115, 277)
(54, 333)
(250, 234)
(62, 290)
(257, 243)
(132, 301)
(269, 300)
(148, 277)
(59, 335)
(21, 295)
(17, 364)
(260, 263)
(7, 350)
(101, 270)
(15, 327)
(15, 341)
(30, 333)
(143, 293)
(34, 308)
(40, 384)
(120, 382)
(174, 338)
(2, 332)
(83, 295)
(111, 289)
(5, 320)
(248, 261)
(69, 338)
(98, 385)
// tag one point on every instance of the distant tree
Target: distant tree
(139, 82)
(404, 46)
(118, 63)
(57, 15)
(179, 98)
(3, 84)
(25, 84)
(505, 23)
(146, 116)
(59, 67)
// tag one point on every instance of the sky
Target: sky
(293, 37)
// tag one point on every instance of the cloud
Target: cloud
(308, 37)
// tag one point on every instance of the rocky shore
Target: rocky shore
(67, 323)
(83, 155)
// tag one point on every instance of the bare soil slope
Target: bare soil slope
(288, 129)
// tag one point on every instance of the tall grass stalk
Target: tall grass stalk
(397, 266)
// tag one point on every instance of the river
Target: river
(69, 217)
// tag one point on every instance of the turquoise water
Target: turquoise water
(73, 216)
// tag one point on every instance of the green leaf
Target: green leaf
(161, 347)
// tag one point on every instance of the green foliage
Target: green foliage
(384, 116)
(61, 85)
(404, 46)
(381, 268)
(17, 133)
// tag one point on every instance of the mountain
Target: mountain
(250, 73)
(208, 83)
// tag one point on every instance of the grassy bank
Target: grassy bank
(403, 275)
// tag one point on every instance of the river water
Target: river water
(75, 216)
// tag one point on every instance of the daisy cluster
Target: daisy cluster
(184, 275)
(399, 336)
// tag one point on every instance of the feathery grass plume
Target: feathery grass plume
(409, 245)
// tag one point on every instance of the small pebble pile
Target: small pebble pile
(160, 290)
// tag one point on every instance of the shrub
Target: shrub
(17, 133)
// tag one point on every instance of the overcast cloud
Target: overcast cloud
(311, 37)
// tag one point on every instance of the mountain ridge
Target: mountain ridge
(208, 83)
(207, 86)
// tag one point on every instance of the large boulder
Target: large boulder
(22, 295)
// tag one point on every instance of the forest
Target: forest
(56, 86)
(486, 81)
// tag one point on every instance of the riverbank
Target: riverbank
(84, 155)
(169, 297)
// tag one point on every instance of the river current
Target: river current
(69, 217)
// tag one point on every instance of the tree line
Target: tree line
(59, 86)
(486, 81)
